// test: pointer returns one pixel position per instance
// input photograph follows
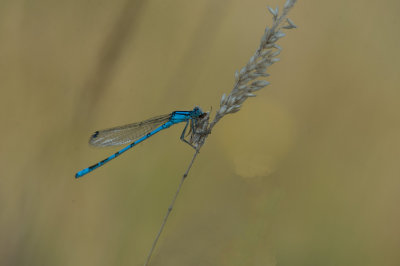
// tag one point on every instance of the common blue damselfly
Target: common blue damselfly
(138, 132)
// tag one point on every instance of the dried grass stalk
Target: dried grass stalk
(249, 79)
(247, 82)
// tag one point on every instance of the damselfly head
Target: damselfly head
(197, 111)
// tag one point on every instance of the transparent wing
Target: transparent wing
(128, 133)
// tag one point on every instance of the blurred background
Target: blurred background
(307, 173)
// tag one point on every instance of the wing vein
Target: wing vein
(128, 133)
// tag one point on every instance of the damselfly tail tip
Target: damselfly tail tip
(81, 173)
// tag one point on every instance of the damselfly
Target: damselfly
(138, 132)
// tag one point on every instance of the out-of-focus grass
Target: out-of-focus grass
(305, 174)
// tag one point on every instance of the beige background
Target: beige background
(307, 173)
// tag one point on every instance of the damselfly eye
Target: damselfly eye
(198, 110)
